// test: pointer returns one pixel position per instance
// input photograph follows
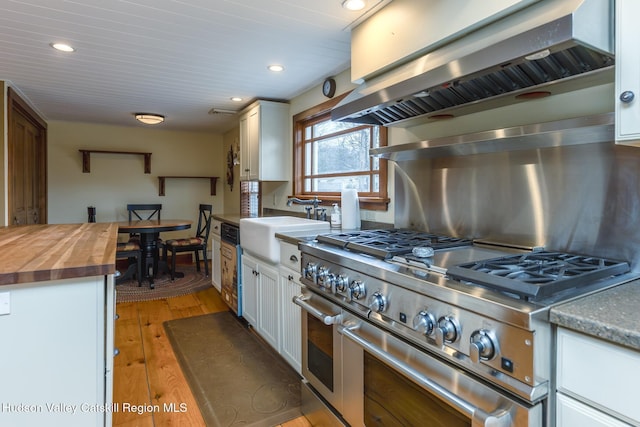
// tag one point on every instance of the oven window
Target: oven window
(391, 399)
(320, 351)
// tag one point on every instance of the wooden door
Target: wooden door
(27, 164)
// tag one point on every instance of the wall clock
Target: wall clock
(329, 88)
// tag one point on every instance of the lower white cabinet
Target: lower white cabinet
(250, 289)
(260, 297)
(596, 382)
(290, 329)
(267, 292)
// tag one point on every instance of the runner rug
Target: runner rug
(193, 281)
(235, 377)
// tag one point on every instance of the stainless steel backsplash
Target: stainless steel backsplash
(583, 199)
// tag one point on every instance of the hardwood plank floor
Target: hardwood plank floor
(146, 372)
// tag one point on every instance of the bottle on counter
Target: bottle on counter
(336, 217)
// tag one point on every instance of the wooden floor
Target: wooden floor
(146, 372)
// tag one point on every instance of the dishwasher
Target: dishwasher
(230, 254)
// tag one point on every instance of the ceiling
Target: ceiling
(178, 58)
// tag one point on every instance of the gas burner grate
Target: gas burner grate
(537, 275)
(387, 243)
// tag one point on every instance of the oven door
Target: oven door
(321, 347)
(426, 390)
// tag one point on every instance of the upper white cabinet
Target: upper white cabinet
(627, 73)
(264, 153)
(404, 29)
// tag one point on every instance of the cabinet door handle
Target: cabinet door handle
(293, 258)
(290, 277)
(627, 96)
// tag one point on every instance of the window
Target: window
(250, 198)
(331, 155)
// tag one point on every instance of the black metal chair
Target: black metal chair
(143, 212)
(130, 251)
(192, 244)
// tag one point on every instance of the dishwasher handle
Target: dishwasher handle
(327, 319)
(479, 418)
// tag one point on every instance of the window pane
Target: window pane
(345, 153)
(307, 159)
(307, 132)
(328, 127)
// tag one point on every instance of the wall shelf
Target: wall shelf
(86, 158)
(212, 179)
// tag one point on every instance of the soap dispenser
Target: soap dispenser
(336, 217)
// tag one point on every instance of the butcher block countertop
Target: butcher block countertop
(34, 253)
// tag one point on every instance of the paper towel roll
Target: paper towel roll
(350, 209)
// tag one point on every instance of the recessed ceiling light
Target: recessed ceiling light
(275, 68)
(236, 99)
(149, 118)
(62, 47)
(354, 4)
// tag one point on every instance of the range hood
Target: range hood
(551, 47)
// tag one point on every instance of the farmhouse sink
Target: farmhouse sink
(258, 235)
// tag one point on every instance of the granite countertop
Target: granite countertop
(233, 219)
(34, 253)
(611, 315)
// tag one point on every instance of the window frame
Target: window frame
(371, 201)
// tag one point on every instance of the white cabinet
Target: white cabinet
(406, 28)
(216, 266)
(261, 298)
(627, 102)
(268, 304)
(57, 353)
(596, 382)
(290, 324)
(250, 289)
(264, 136)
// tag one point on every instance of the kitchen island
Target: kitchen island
(57, 303)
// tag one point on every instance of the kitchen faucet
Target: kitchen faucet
(318, 213)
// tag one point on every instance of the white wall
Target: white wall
(118, 179)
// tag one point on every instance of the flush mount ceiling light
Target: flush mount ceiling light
(276, 68)
(236, 99)
(354, 4)
(62, 47)
(149, 119)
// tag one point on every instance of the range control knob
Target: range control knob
(447, 331)
(310, 271)
(356, 288)
(378, 302)
(342, 282)
(482, 346)
(324, 278)
(424, 322)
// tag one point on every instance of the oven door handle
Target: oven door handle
(479, 418)
(327, 319)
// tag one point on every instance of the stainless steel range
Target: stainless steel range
(477, 312)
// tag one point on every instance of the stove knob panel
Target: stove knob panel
(342, 283)
(356, 288)
(378, 302)
(324, 278)
(424, 322)
(447, 331)
(482, 346)
(310, 271)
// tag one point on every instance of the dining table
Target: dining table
(149, 230)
